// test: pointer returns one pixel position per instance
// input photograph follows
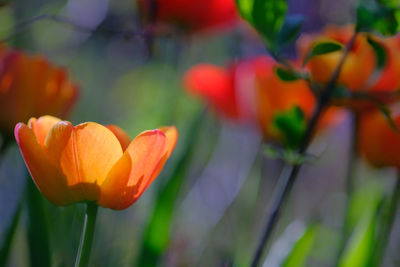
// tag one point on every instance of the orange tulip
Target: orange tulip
(379, 142)
(274, 97)
(191, 16)
(359, 71)
(30, 86)
(90, 162)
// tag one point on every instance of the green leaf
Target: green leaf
(301, 250)
(323, 48)
(359, 249)
(380, 52)
(292, 125)
(266, 16)
(287, 75)
(379, 15)
(366, 199)
(245, 8)
(38, 236)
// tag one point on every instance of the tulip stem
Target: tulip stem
(289, 174)
(85, 245)
(388, 217)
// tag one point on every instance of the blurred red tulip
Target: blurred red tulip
(31, 86)
(90, 162)
(191, 16)
(216, 85)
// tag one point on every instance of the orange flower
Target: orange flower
(90, 162)
(192, 16)
(274, 97)
(358, 73)
(379, 142)
(30, 86)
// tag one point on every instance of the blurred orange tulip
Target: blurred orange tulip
(30, 86)
(251, 91)
(379, 142)
(276, 96)
(359, 72)
(191, 16)
(90, 162)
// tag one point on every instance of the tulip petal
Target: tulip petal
(171, 134)
(172, 137)
(42, 126)
(122, 136)
(47, 177)
(91, 152)
(132, 173)
(57, 139)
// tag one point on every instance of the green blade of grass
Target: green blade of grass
(38, 237)
(359, 248)
(156, 237)
(297, 257)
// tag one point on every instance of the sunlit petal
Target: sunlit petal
(121, 135)
(131, 175)
(48, 178)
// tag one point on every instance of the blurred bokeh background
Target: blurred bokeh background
(226, 185)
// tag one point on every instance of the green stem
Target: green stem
(85, 245)
(290, 173)
(387, 222)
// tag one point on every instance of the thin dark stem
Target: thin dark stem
(290, 173)
(388, 218)
(285, 184)
(149, 36)
(85, 245)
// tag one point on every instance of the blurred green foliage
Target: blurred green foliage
(382, 16)
(298, 255)
(291, 125)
